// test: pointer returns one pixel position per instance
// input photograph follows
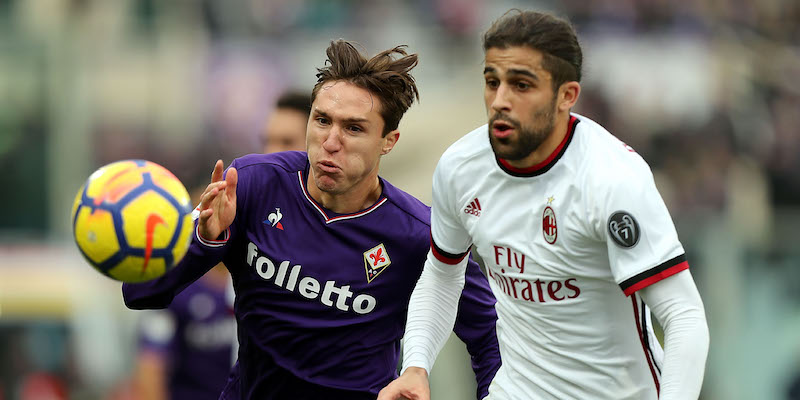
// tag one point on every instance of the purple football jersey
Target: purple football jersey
(194, 336)
(321, 297)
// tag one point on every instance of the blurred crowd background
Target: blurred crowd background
(707, 91)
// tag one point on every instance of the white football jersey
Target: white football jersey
(567, 243)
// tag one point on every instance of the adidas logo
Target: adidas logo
(473, 208)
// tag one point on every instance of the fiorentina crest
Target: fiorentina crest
(376, 260)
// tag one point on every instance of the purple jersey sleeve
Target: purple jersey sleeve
(159, 293)
(475, 326)
(200, 258)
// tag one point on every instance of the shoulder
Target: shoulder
(470, 146)
(608, 161)
(407, 206)
(286, 160)
(258, 168)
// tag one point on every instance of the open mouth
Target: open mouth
(502, 129)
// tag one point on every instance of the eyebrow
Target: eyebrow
(346, 120)
(513, 71)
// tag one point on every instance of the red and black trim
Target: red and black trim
(445, 257)
(549, 162)
(655, 274)
(641, 327)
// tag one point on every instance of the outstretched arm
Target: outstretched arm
(215, 215)
(159, 293)
(676, 304)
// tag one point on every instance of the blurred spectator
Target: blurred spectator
(286, 127)
(185, 350)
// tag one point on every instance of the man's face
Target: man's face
(285, 130)
(344, 138)
(520, 101)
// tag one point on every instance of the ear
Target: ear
(568, 95)
(389, 141)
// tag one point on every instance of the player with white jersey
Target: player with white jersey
(575, 236)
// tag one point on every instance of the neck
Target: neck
(357, 198)
(547, 147)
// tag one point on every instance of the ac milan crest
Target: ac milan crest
(549, 229)
(624, 229)
(376, 260)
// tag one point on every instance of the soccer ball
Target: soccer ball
(132, 220)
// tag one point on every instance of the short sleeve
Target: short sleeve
(450, 242)
(643, 246)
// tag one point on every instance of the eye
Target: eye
(522, 86)
(492, 83)
(355, 128)
(322, 121)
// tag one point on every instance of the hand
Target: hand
(218, 203)
(412, 385)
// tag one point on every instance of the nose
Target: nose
(501, 102)
(332, 142)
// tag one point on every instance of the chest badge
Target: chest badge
(549, 227)
(376, 260)
(274, 219)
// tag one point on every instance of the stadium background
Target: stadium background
(707, 91)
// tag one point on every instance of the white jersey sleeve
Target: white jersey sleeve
(677, 305)
(632, 219)
(434, 301)
(432, 312)
(450, 242)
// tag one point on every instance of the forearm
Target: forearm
(676, 304)
(432, 312)
(159, 293)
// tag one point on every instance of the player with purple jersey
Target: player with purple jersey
(323, 252)
(188, 344)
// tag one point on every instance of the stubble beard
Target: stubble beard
(529, 138)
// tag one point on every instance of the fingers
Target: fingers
(391, 392)
(204, 225)
(216, 176)
(205, 215)
(232, 179)
(211, 192)
(202, 219)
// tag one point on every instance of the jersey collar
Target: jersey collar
(329, 216)
(548, 163)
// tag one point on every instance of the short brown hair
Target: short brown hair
(295, 100)
(553, 36)
(382, 75)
